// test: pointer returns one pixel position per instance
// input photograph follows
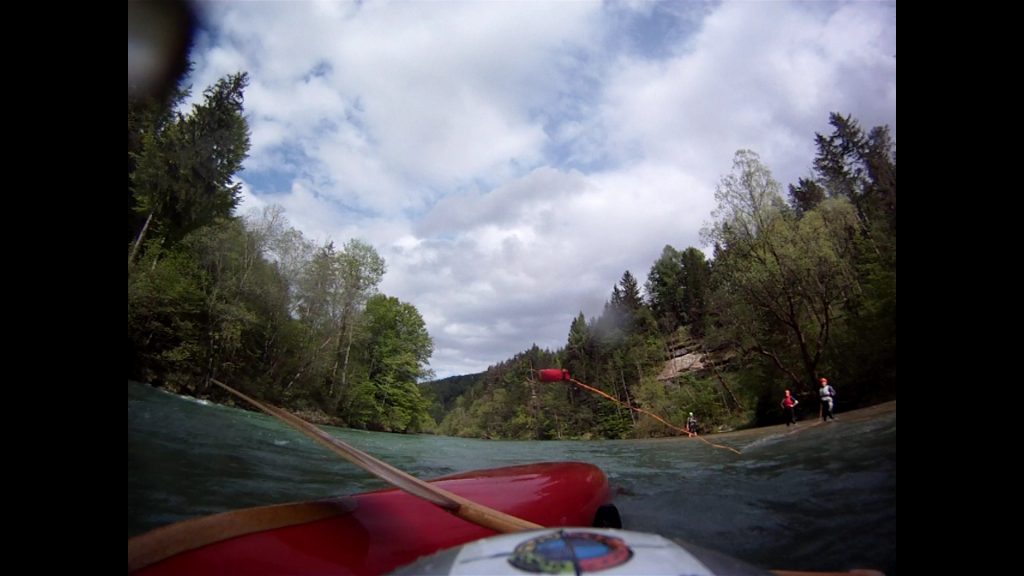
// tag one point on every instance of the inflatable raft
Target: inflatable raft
(371, 533)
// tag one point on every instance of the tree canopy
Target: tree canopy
(795, 291)
(251, 300)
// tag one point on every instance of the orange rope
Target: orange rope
(641, 410)
(652, 415)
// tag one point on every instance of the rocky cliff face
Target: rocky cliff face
(688, 362)
(687, 355)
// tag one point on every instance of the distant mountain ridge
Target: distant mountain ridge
(447, 390)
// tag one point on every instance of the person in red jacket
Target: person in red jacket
(788, 405)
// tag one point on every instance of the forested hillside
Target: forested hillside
(799, 287)
(250, 300)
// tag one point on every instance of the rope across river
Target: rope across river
(557, 375)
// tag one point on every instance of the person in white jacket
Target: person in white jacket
(827, 394)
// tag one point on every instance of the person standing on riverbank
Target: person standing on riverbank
(789, 404)
(827, 394)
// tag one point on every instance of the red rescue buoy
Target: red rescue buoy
(552, 375)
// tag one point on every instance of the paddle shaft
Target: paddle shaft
(463, 508)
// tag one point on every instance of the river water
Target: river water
(813, 497)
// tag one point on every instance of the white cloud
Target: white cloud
(511, 159)
(758, 75)
(248, 201)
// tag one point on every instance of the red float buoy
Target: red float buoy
(552, 375)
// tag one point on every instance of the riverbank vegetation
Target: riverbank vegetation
(250, 300)
(798, 286)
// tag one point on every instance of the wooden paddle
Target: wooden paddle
(466, 509)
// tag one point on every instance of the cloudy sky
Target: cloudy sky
(511, 159)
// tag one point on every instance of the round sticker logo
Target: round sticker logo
(572, 552)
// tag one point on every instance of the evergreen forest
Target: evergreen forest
(800, 284)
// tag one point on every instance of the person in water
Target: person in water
(691, 424)
(827, 394)
(788, 406)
